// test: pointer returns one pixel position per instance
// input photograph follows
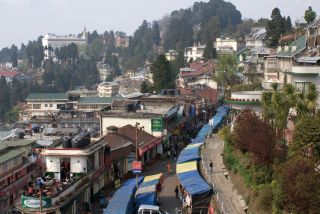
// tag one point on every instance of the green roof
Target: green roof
(47, 96)
(22, 142)
(98, 100)
(243, 51)
(10, 155)
(300, 44)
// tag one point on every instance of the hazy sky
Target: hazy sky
(23, 20)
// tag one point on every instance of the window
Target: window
(36, 106)
(51, 105)
(5, 167)
(302, 86)
(45, 105)
(15, 162)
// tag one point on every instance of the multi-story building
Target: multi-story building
(198, 73)
(195, 52)
(226, 45)
(108, 89)
(121, 41)
(171, 55)
(51, 42)
(73, 176)
(256, 38)
(17, 167)
(157, 118)
(41, 104)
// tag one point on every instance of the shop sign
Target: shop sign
(136, 167)
(117, 183)
(157, 124)
(30, 202)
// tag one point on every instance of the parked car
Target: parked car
(151, 209)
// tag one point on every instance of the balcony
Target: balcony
(56, 195)
(309, 71)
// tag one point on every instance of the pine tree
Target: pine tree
(209, 51)
(4, 98)
(309, 15)
(163, 77)
(275, 27)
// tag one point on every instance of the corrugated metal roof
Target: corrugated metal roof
(299, 44)
(47, 96)
(308, 59)
(10, 155)
(97, 100)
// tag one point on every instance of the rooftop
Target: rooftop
(10, 155)
(294, 48)
(98, 100)
(47, 96)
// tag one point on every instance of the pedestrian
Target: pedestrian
(211, 165)
(169, 168)
(176, 190)
(169, 153)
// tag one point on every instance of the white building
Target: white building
(171, 55)
(226, 45)
(41, 104)
(256, 38)
(52, 41)
(195, 52)
(108, 89)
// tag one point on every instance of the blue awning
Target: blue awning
(193, 183)
(189, 155)
(122, 200)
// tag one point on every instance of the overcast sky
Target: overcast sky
(23, 20)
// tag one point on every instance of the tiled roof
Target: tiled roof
(300, 45)
(198, 69)
(47, 96)
(10, 155)
(129, 132)
(97, 100)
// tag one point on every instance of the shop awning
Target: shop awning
(188, 155)
(122, 200)
(186, 167)
(151, 180)
(193, 183)
(147, 146)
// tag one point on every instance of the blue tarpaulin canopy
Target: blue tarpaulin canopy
(122, 200)
(193, 183)
(147, 191)
(189, 155)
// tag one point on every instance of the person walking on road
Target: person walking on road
(176, 190)
(211, 165)
(169, 168)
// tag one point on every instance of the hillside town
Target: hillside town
(192, 113)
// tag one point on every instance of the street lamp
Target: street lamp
(137, 127)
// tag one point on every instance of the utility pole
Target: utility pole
(137, 124)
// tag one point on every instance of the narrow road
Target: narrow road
(227, 198)
(167, 196)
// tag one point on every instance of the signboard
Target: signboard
(117, 184)
(136, 167)
(156, 124)
(31, 202)
(130, 159)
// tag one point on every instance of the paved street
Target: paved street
(167, 194)
(228, 199)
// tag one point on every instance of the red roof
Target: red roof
(8, 73)
(198, 69)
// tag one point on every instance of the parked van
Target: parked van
(151, 209)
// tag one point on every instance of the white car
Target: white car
(150, 209)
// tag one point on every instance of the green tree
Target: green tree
(4, 98)
(14, 56)
(16, 93)
(156, 33)
(12, 116)
(309, 15)
(306, 138)
(209, 51)
(227, 66)
(163, 77)
(145, 87)
(275, 27)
